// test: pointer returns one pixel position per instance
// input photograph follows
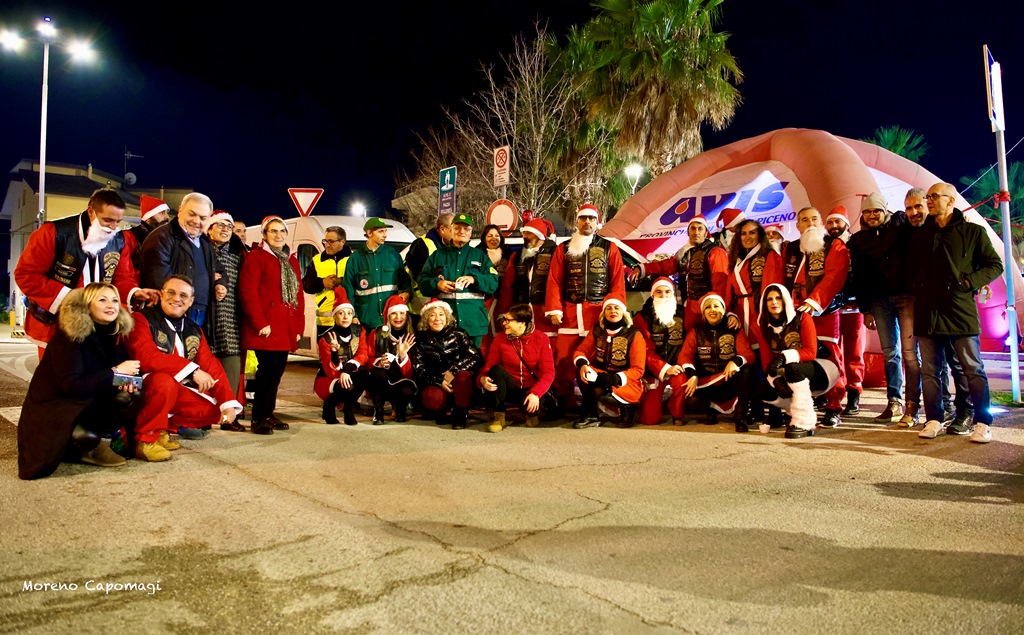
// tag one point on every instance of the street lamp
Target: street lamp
(80, 51)
(358, 209)
(633, 172)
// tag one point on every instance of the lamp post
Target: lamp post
(79, 51)
(633, 172)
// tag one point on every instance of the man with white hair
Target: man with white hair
(814, 270)
(584, 271)
(71, 252)
(661, 322)
(182, 247)
(701, 262)
(948, 261)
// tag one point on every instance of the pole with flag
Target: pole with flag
(994, 88)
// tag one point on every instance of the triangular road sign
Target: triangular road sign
(305, 198)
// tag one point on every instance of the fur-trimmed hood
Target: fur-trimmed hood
(77, 324)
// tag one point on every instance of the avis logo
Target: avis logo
(764, 200)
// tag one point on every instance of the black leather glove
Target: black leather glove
(603, 380)
(776, 365)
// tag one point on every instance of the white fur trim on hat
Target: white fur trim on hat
(216, 218)
(533, 230)
(398, 307)
(700, 219)
(663, 282)
(268, 220)
(838, 211)
(435, 303)
(587, 210)
(341, 306)
(708, 297)
(614, 301)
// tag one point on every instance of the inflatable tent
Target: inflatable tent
(773, 175)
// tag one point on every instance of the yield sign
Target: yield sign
(305, 198)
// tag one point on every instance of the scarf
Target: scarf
(289, 282)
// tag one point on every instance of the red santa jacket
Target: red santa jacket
(833, 268)
(32, 274)
(718, 264)
(142, 347)
(369, 353)
(742, 294)
(259, 291)
(578, 319)
(796, 349)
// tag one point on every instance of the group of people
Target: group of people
(739, 322)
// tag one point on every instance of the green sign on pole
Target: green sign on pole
(446, 190)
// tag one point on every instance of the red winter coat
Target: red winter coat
(259, 291)
(535, 347)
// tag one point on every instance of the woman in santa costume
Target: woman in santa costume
(386, 352)
(794, 374)
(751, 261)
(609, 364)
(717, 361)
(342, 374)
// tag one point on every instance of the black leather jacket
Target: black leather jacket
(434, 353)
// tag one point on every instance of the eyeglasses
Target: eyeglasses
(935, 197)
(227, 226)
(872, 212)
(328, 241)
(171, 294)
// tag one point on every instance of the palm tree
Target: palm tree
(656, 70)
(906, 143)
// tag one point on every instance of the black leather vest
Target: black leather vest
(698, 270)
(383, 342)
(667, 340)
(586, 277)
(788, 339)
(612, 356)
(163, 334)
(715, 348)
(69, 257)
(791, 258)
(524, 290)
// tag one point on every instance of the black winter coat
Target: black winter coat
(946, 266)
(434, 353)
(878, 260)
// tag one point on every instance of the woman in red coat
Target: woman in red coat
(272, 317)
(519, 368)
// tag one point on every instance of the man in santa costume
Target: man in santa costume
(184, 386)
(609, 364)
(776, 234)
(661, 322)
(814, 270)
(71, 252)
(702, 263)
(154, 214)
(851, 321)
(584, 271)
(526, 277)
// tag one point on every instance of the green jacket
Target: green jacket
(371, 277)
(468, 304)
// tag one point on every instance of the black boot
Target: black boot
(400, 407)
(330, 410)
(378, 411)
(852, 402)
(627, 415)
(350, 417)
(460, 416)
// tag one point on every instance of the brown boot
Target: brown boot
(498, 424)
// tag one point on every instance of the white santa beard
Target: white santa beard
(529, 253)
(97, 238)
(579, 244)
(664, 310)
(776, 245)
(812, 240)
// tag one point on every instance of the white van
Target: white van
(305, 239)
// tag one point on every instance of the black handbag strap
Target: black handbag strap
(535, 377)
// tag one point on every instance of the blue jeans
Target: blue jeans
(967, 350)
(894, 321)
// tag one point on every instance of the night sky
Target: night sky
(243, 105)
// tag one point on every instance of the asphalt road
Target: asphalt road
(411, 528)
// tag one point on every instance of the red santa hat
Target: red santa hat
(539, 227)
(436, 303)
(708, 297)
(269, 219)
(776, 227)
(150, 207)
(731, 217)
(838, 212)
(663, 282)
(700, 219)
(218, 216)
(614, 299)
(588, 210)
(394, 303)
(341, 301)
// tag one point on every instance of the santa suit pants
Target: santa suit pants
(651, 402)
(565, 370)
(437, 399)
(851, 327)
(163, 397)
(827, 327)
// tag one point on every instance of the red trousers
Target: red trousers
(162, 397)
(851, 327)
(565, 346)
(436, 398)
(650, 403)
(827, 327)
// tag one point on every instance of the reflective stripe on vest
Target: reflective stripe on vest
(325, 299)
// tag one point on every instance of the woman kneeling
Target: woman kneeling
(444, 362)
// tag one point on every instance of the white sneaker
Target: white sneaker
(982, 433)
(932, 429)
